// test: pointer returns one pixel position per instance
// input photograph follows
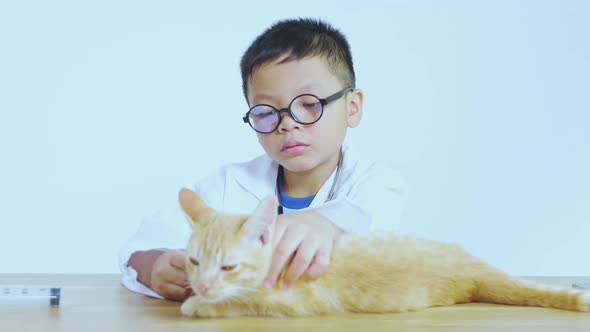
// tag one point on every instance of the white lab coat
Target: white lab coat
(367, 196)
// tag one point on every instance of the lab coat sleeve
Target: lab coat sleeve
(374, 201)
(167, 229)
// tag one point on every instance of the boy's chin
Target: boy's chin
(298, 164)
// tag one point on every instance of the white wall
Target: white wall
(108, 108)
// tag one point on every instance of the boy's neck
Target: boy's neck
(308, 183)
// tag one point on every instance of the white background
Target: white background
(108, 108)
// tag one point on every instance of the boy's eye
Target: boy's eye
(193, 261)
(264, 114)
(228, 268)
(313, 105)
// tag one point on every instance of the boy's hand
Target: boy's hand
(306, 239)
(169, 278)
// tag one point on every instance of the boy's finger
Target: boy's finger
(175, 292)
(282, 253)
(178, 260)
(279, 231)
(321, 260)
(303, 257)
(178, 278)
(265, 236)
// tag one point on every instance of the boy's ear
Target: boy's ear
(192, 204)
(355, 107)
(258, 226)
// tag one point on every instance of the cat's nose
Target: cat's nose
(202, 287)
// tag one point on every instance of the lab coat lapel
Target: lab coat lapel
(258, 177)
(322, 195)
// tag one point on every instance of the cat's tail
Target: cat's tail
(503, 289)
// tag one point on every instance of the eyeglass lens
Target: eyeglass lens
(305, 109)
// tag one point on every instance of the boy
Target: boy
(299, 82)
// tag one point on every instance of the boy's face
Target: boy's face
(298, 147)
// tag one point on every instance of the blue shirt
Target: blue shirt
(291, 203)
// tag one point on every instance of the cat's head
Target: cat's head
(226, 255)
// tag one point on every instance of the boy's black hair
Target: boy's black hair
(298, 39)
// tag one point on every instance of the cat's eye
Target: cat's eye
(193, 261)
(228, 268)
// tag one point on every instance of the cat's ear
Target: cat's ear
(192, 204)
(259, 225)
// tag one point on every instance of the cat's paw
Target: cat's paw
(189, 307)
(207, 311)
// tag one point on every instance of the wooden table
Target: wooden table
(101, 303)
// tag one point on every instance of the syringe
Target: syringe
(29, 295)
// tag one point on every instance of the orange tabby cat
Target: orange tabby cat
(376, 272)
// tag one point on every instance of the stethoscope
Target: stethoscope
(330, 194)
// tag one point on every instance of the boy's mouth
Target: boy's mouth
(293, 147)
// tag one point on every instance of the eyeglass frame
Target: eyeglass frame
(323, 102)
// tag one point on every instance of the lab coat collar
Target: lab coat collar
(259, 177)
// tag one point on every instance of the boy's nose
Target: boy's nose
(287, 123)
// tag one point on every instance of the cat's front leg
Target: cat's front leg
(189, 307)
(193, 308)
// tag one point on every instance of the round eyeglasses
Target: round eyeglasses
(305, 109)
